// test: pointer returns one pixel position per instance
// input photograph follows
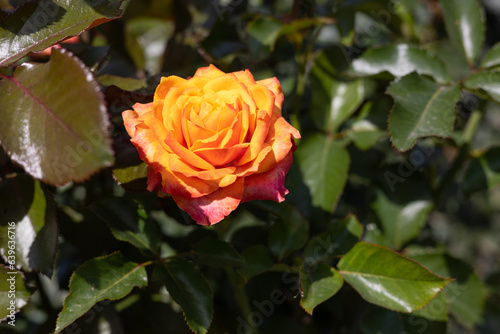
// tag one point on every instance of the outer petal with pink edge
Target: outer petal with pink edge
(211, 209)
(269, 185)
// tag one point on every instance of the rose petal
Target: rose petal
(185, 154)
(280, 138)
(246, 77)
(274, 86)
(165, 85)
(156, 157)
(179, 166)
(269, 185)
(209, 72)
(258, 138)
(263, 97)
(220, 156)
(211, 209)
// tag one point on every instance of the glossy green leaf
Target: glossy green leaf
(488, 81)
(35, 26)
(324, 164)
(465, 296)
(401, 223)
(257, 261)
(492, 57)
(339, 238)
(333, 101)
(290, 230)
(422, 108)
(216, 253)
(25, 203)
(399, 60)
(128, 222)
(109, 277)
(385, 278)
(464, 21)
(318, 285)
(483, 173)
(56, 136)
(190, 290)
(13, 293)
(262, 34)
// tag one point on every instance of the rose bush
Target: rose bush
(213, 141)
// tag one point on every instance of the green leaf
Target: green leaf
(365, 134)
(422, 108)
(339, 238)
(399, 60)
(492, 57)
(129, 174)
(257, 261)
(108, 277)
(25, 203)
(465, 296)
(289, 232)
(35, 26)
(464, 21)
(401, 223)
(324, 164)
(13, 292)
(333, 101)
(385, 278)
(483, 173)
(190, 290)
(54, 121)
(124, 83)
(128, 222)
(488, 81)
(216, 253)
(318, 285)
(262, 34)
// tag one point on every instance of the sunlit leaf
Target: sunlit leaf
(464, 21)
(385, 278)
(37, 25)
(399, 60)
(324, 164)
(492, 57)
(422, 108)
(109, 277)
(13, 293)
(318, 285)
(31, 209)
(488, 81)
(401, 223)
(54, 122)
(465, 296)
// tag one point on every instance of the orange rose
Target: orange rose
(213, 141)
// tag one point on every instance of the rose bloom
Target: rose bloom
(213, 141)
